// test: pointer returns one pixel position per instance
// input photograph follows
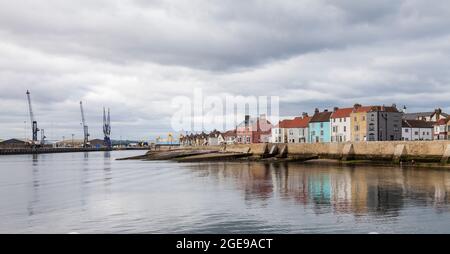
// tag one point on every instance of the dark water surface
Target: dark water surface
(93, 193)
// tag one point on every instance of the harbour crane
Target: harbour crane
(85, 127)
(107, 128)
(34, 125)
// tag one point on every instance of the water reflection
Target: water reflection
(34, 200)
(376, 191)
(107, 168)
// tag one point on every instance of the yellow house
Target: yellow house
(358, 123)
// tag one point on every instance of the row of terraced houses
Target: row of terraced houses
(353, 124)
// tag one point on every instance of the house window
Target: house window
(363, 118)
(345, 120)
(406, 130)
(356, 128)
(371, 127)
(321, 133)
(416, 133)
(356, 119)
(345, 128)
(372, 117)
(321, 125)
(371, 137)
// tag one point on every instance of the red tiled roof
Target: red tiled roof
(342, 113)
(364, 109)
(298, 122)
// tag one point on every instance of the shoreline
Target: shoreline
(242, 153)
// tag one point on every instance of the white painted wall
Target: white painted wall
(278, 135)
(297, 135)
(340, 129)
(417, 133)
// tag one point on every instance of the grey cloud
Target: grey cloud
(135, 56)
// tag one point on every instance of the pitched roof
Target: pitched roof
(417, 115)
(13, 141)
(342, 113)
(298, 122)
(254, 122)
(231, 133)
(321, 117)
(416, 124)
(363, 109)
(422, 114)
(383, 108)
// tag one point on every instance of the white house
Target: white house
(292, 131)
(215, 138)
(340, 125)
(229, 137)
(279, 134)
(417, 130)
(440, 131)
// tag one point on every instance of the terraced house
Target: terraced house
(358, 124)
(319, 127)
(441, 129)
(292, 130)
(384, 123)
(341, 125)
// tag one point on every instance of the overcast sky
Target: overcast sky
(135, 55)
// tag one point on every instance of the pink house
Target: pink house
(254, 130)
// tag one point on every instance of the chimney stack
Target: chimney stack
(247, 120)
(316, 110)
(304, 114)
(335, 109)
(357, 105)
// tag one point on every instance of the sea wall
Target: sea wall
(420, 151)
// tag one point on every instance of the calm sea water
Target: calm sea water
(94, 193)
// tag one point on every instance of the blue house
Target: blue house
(319, 127)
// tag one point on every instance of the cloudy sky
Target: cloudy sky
(134, 56)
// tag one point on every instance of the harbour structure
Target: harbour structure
(85, 127)
(34, 125)
(107, 128)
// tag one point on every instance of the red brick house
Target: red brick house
(254, 130)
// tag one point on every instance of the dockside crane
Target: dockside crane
(34, 125)
(85, 127)
(107, 128)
